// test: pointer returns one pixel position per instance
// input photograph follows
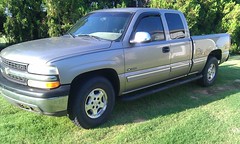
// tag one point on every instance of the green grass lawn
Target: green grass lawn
(184, 114)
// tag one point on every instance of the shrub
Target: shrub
(26, 21)
(231, 24)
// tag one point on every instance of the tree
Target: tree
(2, 17)
(62, 14)
(26, 21)
(231, 24)
(208, 16)
(29, 19)
(167, 4)
(190, 8)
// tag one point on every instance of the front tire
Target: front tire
(93, 102)
(209, 72)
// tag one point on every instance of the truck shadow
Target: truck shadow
(176, 99)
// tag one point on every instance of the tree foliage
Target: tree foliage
(208, 16)
(61, 14)
(231, 24)
(26, 21)
(42, 18)
(2, 17)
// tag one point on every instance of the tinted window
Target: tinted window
(152, 25)
(175, 25)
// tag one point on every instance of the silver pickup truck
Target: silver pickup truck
(130, 53)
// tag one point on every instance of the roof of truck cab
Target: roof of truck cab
(133, 10)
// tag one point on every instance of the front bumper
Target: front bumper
(48, 102)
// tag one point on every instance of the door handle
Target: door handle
(165, 49)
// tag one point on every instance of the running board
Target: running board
(158, 88)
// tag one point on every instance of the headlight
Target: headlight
(42, 69)
(43, 76)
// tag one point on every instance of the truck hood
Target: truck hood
(45, 50)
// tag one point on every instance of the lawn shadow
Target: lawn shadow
(176, 99)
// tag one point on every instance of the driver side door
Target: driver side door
(147, 63)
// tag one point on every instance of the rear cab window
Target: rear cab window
(175, 26)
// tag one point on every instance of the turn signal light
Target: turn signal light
(44, 85)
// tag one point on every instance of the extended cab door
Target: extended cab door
(180, 44)
(147, 63)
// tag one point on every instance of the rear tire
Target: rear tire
(93, 102)
(209, 72)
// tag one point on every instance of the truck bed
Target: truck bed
(203, 45)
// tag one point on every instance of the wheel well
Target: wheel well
(216, 53)
(109, 74)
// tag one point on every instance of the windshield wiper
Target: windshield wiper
(91, 36)
(73, 36)
(70, 34)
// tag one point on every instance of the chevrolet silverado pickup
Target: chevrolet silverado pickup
(126, 53)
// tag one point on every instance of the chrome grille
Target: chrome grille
(8, 66)
(16, 79)
(14, 65)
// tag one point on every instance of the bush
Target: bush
(29, 21)
(208, 16)
(231, 24)
(61, 14)
(2, 18)
(26, 22)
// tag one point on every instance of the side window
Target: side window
(152, 25)
(175, 26)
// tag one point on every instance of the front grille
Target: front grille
(14, 65)
(7, 68)
(16, 79)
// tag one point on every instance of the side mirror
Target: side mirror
(141, 37)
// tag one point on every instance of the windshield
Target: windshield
(104, 25)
